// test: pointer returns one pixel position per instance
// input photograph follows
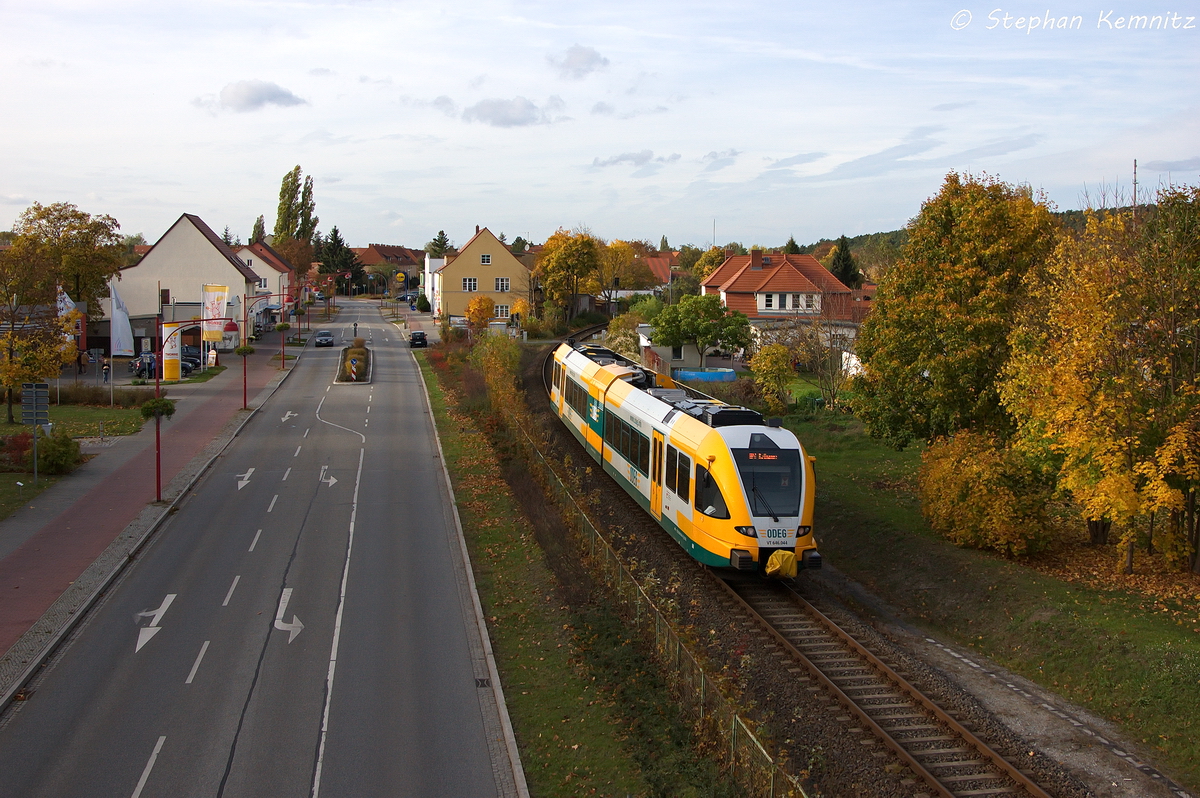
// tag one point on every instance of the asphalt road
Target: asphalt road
(299, 628)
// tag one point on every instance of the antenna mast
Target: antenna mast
(1135, 189)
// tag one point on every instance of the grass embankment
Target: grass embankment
(1130, 657)
(590, 715)
(85, 420)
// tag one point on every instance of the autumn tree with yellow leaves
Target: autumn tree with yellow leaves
(1104, 372)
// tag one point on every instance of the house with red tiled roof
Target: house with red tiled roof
(396, 259)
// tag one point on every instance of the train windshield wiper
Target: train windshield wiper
(763, 499)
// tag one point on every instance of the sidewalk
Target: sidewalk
(46, 545)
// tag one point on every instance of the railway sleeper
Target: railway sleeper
(992, 776)
(993, 791)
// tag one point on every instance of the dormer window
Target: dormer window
(768, 302)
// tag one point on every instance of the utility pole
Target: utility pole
(1135, 189)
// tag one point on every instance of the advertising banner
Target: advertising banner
(170, 348)
(216, 297)
(122, 332)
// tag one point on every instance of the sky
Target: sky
(636, 120)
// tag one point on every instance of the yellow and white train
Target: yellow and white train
(731, 488)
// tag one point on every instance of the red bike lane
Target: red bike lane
(35, 574)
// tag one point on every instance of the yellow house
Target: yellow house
(484, 266)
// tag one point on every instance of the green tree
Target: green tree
(519, 245)
(567, 262)
(791, 247)
(663, 246)
(338, 259)
(773, 370)
(688, 255)
(703, 322)
(259, 233)
(84, 251)
(287, 214)
(933, 347)
(439, 245)
(843, 265)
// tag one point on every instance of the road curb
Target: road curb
(510, 739)
(42, 639)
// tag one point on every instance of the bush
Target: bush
(58, 453)
(981, 494)
(14, 451)
(423, 304)
(587, 320)
(79, 394)
(162, 408)
(360, 353)
(743, 391)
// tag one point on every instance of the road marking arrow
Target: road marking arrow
(288, 414)
(146, 633)
(295, 627)
(332, 480)
(245, 479)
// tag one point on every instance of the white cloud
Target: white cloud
(517, 112)
(719, 160)
(577, 62)
(603, 108)
(249, 95)
(635, 158)
(320, 72)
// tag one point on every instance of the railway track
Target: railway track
(935, 747)
(938, 749)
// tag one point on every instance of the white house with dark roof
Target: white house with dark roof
(170, 278)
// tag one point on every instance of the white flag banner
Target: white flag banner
(65, 305)
(121, 340)
(216, 298)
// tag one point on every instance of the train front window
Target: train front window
(708, 495)
(772, 479)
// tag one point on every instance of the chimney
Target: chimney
(756, 259)
(728, 254)
(476, 229)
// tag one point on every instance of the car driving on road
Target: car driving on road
(323, 338)
(417, 338)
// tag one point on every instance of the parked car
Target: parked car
(416, 338)
(144, 365)
(323, 338)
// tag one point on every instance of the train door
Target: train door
(656, 469)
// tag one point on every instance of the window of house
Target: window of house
(262, 282)
(677, 353)
(502, 285)
(769, 301)
(810, 302)
(796, 302)
(502, 311)
(485, 259)
(470, 284)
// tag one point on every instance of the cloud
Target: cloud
(719, 160)
(952, 106)
(517, 112)
(249, 95)
(1191, 164)
(603, 108)
(878, 163)
(445, 105)
(15, 199)
(635, 158)
(320, 72)
(578, 62)
(797, 160)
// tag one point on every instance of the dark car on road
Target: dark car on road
(145, 364)
(323, 338)
(417, 338)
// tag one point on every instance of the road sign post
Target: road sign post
(35, 410)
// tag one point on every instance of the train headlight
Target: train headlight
(748, 531)
(804, 531)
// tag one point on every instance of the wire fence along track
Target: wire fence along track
(936, 747)
(744, 756)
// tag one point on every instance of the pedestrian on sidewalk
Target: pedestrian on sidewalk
(104, 368)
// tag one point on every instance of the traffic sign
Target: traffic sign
(35, 403)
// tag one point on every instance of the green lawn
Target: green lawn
(1124, 656)
(13, 495)
(85, 420)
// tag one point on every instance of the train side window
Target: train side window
(625, 440)
(708, 495)
(672, 465)
(683, 477)
(643, 460)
